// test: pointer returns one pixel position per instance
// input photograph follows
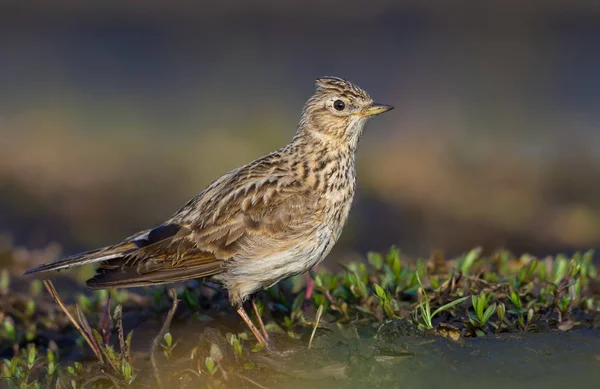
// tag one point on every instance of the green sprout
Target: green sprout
(425, 309)
(482, 312)
(465, 263)
(168, 345)
(385, 299)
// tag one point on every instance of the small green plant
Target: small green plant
(215, 372)
(235, 343)
(118, 361)
(18, 372)
(8, 330)
(425, 309)
(501, 314)
(51, 366)
(526, 273)
(518, 310)
(168, 345)
(385, 299)
(356, 285)
(482, 312)
(465, 263)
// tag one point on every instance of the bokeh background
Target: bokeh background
(115, 113)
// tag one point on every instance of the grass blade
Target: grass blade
(449, 305)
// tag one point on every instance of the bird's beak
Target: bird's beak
(375, 109)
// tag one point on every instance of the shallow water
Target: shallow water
(527, 360)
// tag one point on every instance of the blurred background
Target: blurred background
(113, 114)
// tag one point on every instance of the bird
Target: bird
(276, 217)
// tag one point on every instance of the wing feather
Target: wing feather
(246, 213)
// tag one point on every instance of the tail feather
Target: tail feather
(129, 277)
(94, 256)
(163, 254)
(88, 257)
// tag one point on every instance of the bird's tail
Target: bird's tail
(98, 255)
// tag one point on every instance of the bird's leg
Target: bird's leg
(252, 327)
(260, 322)
(311, 282)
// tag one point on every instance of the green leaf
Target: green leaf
(488, 313)
(531, 270)
(389, 311)
(97, 336)
(31, 353)
(449, 305)
(318, 281)
(231, 338)
(50, 356)
(392, 255)
(361, 287)
(560, 268)
(258, 347)
(237, 348)
(9, 327)
(29, 308)
(126, 370)
(542, 272)
(190, 300)
(425, 313)
(168, 339)
(515, 299)
(469, 259)
(128, 341)
(475, 302)
(35, 287)
(319, 299)
(380, 292)
(375, 260)
(210, 365)
(474, 319)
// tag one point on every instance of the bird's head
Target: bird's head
(338, 111)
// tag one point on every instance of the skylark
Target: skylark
(274, 218)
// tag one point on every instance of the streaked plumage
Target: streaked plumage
(274, 218)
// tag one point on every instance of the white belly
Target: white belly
(249, 275)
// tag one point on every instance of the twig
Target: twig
(105, 321)
(251, 381)
(319, 313)
(52, 290)
(95, 339)
(118, 317)
(160, 336)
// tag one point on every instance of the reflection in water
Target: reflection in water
(527, 360)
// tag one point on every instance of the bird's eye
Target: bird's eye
(339, 105)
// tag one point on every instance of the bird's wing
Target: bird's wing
(248, 212)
